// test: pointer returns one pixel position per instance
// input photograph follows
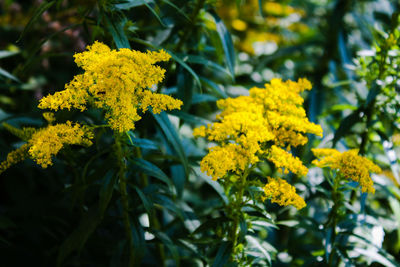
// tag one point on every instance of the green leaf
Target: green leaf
(256, 244)
(201, 98)
(167, 203)
(288, 223)
(36, 15)
(185, 86)
(116, 27)
(5, 53)
(214, 184)
(173, 138)
(223, 254)
(207, 63)
(132, 3)
(226, 41)
(184, 65)
(169, 244)
(179, 179)
(139, 243)
(372, 93)
(375, 256)
(346, 124)
(395, 206)
(155, 14)
(210, 224)
(142, 142)
(151, 170)
(177, 9)
(106, 191)
(89, 221)
(147, 204)
(8, 75)
(243, 229)
(214, 87)
(190, 118)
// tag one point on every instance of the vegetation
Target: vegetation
(199, 133)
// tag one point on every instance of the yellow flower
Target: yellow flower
(228, 158)
(116, 81)
(282, 193)
(283, 159)
(349, 164)
(48, 141)
(49, 117)
(263, 125)
(14, 157)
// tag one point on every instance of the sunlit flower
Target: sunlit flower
(116, 81)
(349, 164)
(261, 126)
(282, 193)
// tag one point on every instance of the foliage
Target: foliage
(113, 175)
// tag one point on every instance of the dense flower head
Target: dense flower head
(349, 164)
(222, 159)
(265, 124)
(42, 144)
(116, 81)
(14, 157)
(48, 141)
(261, 126)
(281, 192)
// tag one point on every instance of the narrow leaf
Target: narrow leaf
(226, 41)
(223, 254)
(346, 124)
(132, 3)
(38, 12)
(116, 28)
(173, 138)
(151, 170)
(8, 75)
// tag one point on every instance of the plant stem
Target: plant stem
(124, 197)
(336, 197)
(236, 210)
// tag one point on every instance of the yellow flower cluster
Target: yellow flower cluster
(282, 193)
(47, 142)
(263, 125)
(116, 81)
(349, 164)
(14, 157)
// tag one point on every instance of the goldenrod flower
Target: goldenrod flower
(282, 193)
(14, 157)
(44, 143)
(116, 81)
(283, 159)
(48, 141)
(349, 164)
(49, 117)
(264, 124)
(228, 158)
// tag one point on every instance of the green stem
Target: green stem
(124, 197)
(236, 211)
(336, 197)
